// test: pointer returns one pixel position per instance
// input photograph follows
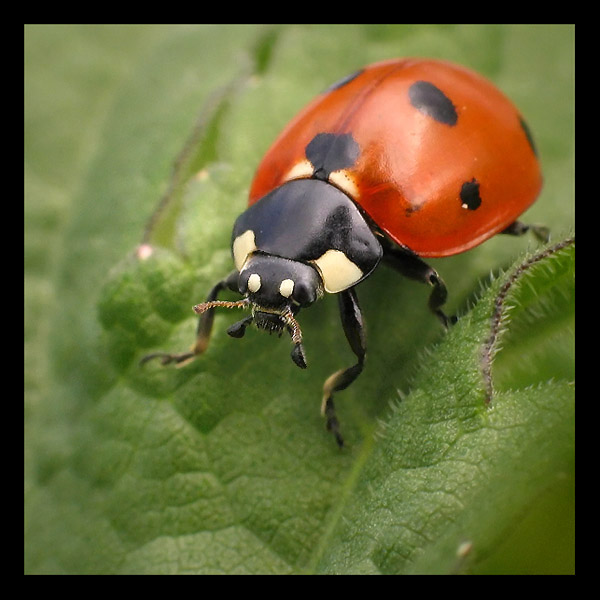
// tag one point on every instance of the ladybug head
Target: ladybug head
(278, 284)
(274, 289)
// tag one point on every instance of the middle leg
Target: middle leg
(411, 266)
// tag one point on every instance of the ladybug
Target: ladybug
(402, 160)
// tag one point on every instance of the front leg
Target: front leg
(352, 323)
(204, 330)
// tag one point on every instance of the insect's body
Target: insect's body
(402, 160)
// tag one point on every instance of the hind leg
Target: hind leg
(517, 228)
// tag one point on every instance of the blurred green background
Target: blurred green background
(169, 471)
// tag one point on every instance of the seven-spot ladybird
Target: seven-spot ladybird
(401, 160)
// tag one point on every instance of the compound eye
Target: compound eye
(304, 295)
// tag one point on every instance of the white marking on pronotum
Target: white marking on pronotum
(254, 282)
(286, 288)
(243, 245)
(337, 271)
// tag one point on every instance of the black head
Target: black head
(274, 289)
(276, 283)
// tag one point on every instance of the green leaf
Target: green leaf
(141, 135)
(458, 462)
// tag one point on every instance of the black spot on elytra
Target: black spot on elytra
(328, 152)
(469, 195)
(528, 135)
(344, 80)
(430, 100)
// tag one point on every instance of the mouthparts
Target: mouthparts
(272, 320)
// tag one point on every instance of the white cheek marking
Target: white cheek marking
(286, 288)
(338, 271)
(254, 282)
(242, 246)
(300, 170)
(345, 181)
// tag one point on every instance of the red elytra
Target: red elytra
(412, 166)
